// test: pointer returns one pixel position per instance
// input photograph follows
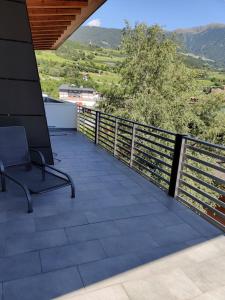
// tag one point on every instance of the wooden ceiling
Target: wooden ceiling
(53, 21)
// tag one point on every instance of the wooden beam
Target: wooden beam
(57, 4)
(51, 23)
(47, 27)
(52, 18)
(44, 33)
(53, 11)
(93, 5)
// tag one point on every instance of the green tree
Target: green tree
(158, 89)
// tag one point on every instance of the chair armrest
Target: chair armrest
(2, 168)
(60, 172)
(40, 156)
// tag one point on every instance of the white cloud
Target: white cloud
(94, 23)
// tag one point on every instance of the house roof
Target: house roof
(68, 87)
(53, 21)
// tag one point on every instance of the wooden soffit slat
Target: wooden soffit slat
(55, 20)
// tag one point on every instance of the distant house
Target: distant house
(81, 96)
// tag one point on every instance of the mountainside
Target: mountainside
(99, 36)
(206, 41)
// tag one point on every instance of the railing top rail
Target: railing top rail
(189, 138)
(133, 122)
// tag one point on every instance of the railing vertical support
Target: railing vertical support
(177, 165)
(97, 119)
(115, 138)
(132, 144)
(78, 118)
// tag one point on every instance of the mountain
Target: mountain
(207, 42)
(99, 36)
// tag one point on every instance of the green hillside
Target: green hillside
(205, 41)
(99, 36)
(92, 66)
(82, 65)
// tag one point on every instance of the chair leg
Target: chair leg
(29, 202)
(3, 183)
(26, 191)
(72, 190)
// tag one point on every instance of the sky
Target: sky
(171, 14)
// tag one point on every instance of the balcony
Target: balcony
(121, 238)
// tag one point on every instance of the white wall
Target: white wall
(61, 115)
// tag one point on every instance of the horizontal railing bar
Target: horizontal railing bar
(110, 138)
(217, 179)
(201, 192)
(121, 147)
(152, 172)
(106, 133)
(203, 215)
(152, 165)
(89, 133)
(110, 125)
(123, 142)
(124, 131)
(112, 131)
(110, 120)
(205, 143)
(105, 139)
(125, 137)
(122, 157)
(212, 166)
(205, 184)
(157, 136)
(87, 118)
(140, 124)
(154, 143)
(88, 125)
(205, 152)
(89, 111)
(85, 122)
(155, 158)
(126, 125)
(205, 205)
(111, 148)
(154, 150)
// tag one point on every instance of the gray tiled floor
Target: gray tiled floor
(121, 238)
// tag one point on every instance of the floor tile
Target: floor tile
(92, 231)
(61, 257)
(60, 221)
(19, 266)
(35, 241)
(44, 286)
(106, 268)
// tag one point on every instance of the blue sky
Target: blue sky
(171, 14)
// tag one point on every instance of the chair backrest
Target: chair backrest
(13, 146)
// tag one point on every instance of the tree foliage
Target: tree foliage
(158, 89)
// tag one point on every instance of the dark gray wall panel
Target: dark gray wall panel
(20, 97)
(21, 100)
(20, 32)
(17, 61)
(34, 126)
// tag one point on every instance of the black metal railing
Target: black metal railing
(190, 170)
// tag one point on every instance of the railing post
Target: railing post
(177, 165)
(97, 119)
(132, 144)
(115, 139)
(78, 118)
